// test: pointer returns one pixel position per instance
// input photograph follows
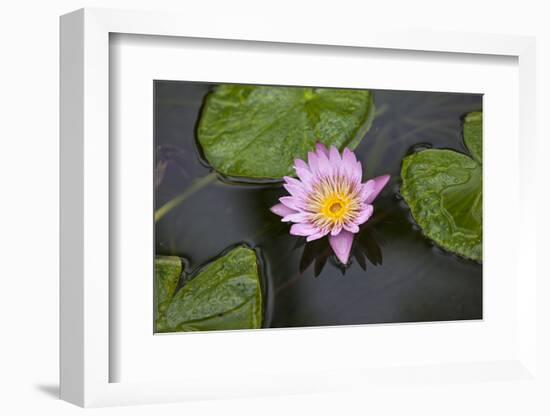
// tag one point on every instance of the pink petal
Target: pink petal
(325, 168)
(348, 156)
(367, 189)
(282, 210)
(379, 183)
(293, 203)
(303, 172)
(348, 162)
(299, 163)
(296, 183)
(296, 217)
(292, 181)
(336, 230)
(352, 228)
(317, 235)
(297, 191)
(358, 172)
(303, 230)
(313, 162)
(364, 215)
(334, 156)
(321, 149)
(341, 245)
(305, 176)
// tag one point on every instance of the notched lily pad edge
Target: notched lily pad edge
(265, 287)
(429, 240)
(418, 148)
(243, 180)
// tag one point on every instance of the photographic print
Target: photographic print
(283, 206)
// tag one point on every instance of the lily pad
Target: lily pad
(257, 131)
(168, 270)
(443, 189)
(224, 294)
(473, 127)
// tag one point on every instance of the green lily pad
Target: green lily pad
(224, 294)
(168, 270)
(473, 127)
(443, 190)
(256, 132)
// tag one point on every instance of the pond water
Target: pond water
(395, 275)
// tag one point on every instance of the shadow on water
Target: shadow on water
(367, 245)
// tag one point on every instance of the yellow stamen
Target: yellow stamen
(333, 202)
(335, 207)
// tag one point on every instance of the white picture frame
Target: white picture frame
(87, 356)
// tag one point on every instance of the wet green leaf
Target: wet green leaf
(168, 270)
(257, 131)
(473, 123)
(225, 294)
(443, 190)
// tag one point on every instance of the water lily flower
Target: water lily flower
(328, 198)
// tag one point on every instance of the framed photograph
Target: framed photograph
(270, 213)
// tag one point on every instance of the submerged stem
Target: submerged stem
(174, 202)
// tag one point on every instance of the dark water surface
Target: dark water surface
(396, 275)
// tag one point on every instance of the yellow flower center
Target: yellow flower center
(335, 207)
(333, 202)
